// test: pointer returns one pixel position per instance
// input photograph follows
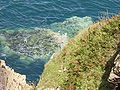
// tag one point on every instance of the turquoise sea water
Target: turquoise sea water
(53, 14)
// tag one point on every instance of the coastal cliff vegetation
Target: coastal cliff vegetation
(85, 62)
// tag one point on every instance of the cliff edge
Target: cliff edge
(86, 61)
(10, 80)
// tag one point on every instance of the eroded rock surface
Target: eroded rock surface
(10, 80)
(114, 76)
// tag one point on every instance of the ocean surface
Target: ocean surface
(49, 14)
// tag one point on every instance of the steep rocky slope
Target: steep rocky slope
(10, 80)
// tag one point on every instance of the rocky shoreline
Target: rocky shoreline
(10, 80)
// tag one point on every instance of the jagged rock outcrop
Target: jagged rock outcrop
(10, 80)
(114, 76)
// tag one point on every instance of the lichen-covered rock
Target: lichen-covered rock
(10, 80)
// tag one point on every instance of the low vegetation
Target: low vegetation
(84, 63)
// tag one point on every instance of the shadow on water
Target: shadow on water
(105, 85)
(32, 70)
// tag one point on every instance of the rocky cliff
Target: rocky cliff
(10, 80)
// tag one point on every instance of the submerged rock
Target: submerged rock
(72, 25)
(31, 44)
(10, 80)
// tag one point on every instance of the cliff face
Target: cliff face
(10, 80)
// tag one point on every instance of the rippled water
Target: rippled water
(28, 14)
(40, 13)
